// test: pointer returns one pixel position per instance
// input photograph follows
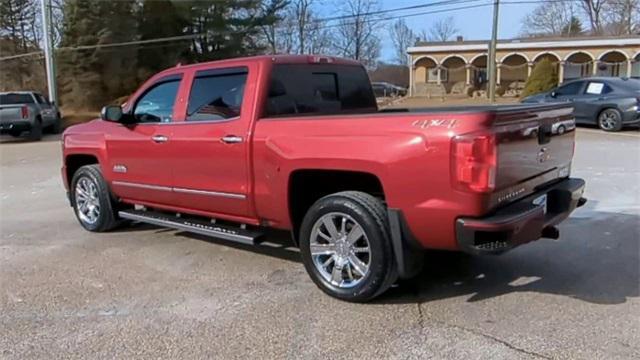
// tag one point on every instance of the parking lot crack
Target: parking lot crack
(498, 340)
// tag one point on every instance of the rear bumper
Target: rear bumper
(521, 222)
(14, 126)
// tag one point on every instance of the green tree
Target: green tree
(573, 27)
(543, 78)
(229, 28)
(93, 76)
(160, 19)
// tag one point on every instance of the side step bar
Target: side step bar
(244, 236)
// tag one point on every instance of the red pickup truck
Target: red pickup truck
(232, 148)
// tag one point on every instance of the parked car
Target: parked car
(385, 89)
(611, 103)
(295, 143)
(28, 111)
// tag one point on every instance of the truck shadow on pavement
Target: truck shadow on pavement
(596, 259)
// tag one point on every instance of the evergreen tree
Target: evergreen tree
(543, 78)
(160, 19)
(573, 27)
(92, 77)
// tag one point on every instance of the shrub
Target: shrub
(543, 78)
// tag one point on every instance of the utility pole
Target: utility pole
(48, 49)
(491, 59)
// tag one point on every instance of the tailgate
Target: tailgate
(10, 113)
(535, 147)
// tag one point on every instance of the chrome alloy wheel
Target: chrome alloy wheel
(608, 119)
(340, 250)
(87, 201)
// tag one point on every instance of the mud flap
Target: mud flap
(407, 252)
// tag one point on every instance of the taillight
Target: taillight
(473, 162)
(24, 112)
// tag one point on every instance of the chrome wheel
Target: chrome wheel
(608, 119)
(340, 250)
(87, 201)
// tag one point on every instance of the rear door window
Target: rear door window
(319, 89)
(41, 99)
(597, 88)
(216, 94)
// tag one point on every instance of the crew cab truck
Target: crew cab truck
(232, 148)
(28, 111)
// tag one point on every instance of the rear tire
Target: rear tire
(92, 201)
(36, 130)
(57, 125)
(610, 120)
(352, 259)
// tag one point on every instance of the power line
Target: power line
(343, 17)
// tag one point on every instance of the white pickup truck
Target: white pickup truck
(28, 111)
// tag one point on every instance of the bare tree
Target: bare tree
(549, 19)
(297, 30)
(356, 36)
(594, 11)
(622, 17)
(402, 37)
(443, 29)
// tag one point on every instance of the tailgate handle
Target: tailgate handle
(544, 134)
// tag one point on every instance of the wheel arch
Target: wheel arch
(306, 186)
(73, 162)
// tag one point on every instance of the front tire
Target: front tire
(56, 128)
(91, 200)
(346, 246)
(35, 134)
(610, 120)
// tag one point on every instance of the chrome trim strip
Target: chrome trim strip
(141, 186)
(181, 190)
(210, 193)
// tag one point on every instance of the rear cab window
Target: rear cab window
(15, 99)
(318, 89)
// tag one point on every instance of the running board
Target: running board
(244, 236)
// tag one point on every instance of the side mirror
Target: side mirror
(553, 94)
(111, 113)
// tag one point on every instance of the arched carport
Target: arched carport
(426, 67)
(478, 68)
(576, 65)
(512, 73)
(424, 73)
(613, 63)
(550, 56)
(453, 73)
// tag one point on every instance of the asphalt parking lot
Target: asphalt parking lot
(145, 292)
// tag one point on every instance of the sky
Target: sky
(473, 24)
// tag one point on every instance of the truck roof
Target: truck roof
(280, 59)
(19, 92)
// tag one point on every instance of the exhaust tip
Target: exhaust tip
(582, 201)
(551, 232)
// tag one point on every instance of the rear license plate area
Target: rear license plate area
(541, 201)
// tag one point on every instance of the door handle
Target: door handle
(159, 139)
(231, 139)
